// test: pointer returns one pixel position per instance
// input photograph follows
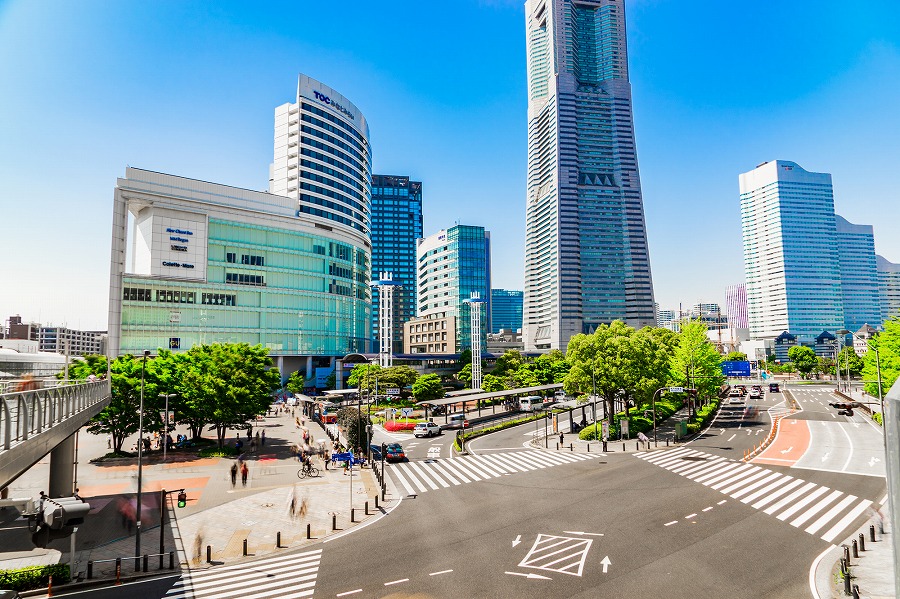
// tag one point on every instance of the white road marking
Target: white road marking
(671, 523)
(441, 572)
(591, 534)
(517, 541)
(348, 593)
(529, 575)
(721, 502)
(689, 516)
(706, 509)
(731, 437)
(387, 584)
(605, 563)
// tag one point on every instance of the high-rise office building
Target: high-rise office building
(452, 264)
(322, 156)
(736, 306)
(790, 252)
(586, 256)
(889, 288)
(859, 274)
(396, 227)
(506, 310)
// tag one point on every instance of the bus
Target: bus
(532, 403)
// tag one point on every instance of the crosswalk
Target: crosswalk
(286, 577)
(810, 507)
(431, 475)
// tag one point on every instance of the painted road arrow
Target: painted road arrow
(518, 540)
(529, 575)
(605, 562)
(788, 450)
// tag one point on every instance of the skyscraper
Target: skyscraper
(859, 274)
(506, 310)
(790, 252)
(736, 306)
(396, 226)
(586, 256)
(889, 288)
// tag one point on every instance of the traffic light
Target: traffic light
(57, 519)
(182, 499)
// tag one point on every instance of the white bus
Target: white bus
(532, 403)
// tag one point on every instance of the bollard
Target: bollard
(862, 542)
(353, 516)
(367, 508)
(118, 570)
(557, 447)
(846, 554)
(637, 445)
(623, 447)
(855, 550)
(856, 591)
(308, 531)
(376, 502)
(50, 586)
(90, 569)
(604, 447)
(146, 562)
(209, 554)
(846, 579)
(171, 560)
(245, 546)
(571, 448)
(872, 532)
(333, 521)
(589, 448)
(278, 540)
(667, 441)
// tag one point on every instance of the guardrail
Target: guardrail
(24, 414)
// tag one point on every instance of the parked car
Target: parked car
(426, 429)
(845, 412)
(774, 388)
(394, 453)
(742, 389)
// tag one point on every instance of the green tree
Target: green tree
(651, 352)
(888, 345)
(331, 380)
(464, 376)
(227, 384)
(848, 356)
(524, 376)
(736, 356)
(803, 358)
(295, 382)
(491, 383)
(120, 418)
(550, 368)
(508, 362)
(81, 368)
(354, 424)
(603, 359)
(399, 377)
(363, 376)
(695, 363)
(465, 357)
(427, 387)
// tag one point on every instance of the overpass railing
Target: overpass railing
(24, 414)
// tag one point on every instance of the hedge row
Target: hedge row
(497, 427)
(33, 577)
(704, 416)
(638, 423)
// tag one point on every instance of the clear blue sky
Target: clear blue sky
(189, 88)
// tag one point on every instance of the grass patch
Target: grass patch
(215, 452)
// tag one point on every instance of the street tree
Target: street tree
(550, 368)
(464, 376)
(81, 368)
(651, 351)
(491, 383)
(524, 376)
(848, 357)
(888, 345)
(363, 376)
(803, 358)
(295, 382)
(736, 356)
(120, 418)
(601, 360)
(428, 387)
(353, 423)
(225, 385)
(508, 362)
(695, 363)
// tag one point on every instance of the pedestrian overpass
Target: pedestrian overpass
(36, 422)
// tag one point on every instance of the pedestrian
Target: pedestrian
(252, 445)
(234, 472)
(249, 432)
(257, 437)
(244, 472)
(109, 443)
(263, 438)
(561, 438)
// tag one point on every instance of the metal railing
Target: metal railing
(24, 414)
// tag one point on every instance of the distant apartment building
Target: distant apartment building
(451, 265)
(16, 328)
(669, 319)
(396, 226)
(506, 310)
(791, 260)
(888, 288)
(736, 306)
(859, 274)
(63, 340)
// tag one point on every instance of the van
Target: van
(456, 420)
(532, 403)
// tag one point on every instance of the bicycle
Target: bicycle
(311, 472)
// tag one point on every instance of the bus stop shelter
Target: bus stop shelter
(477, 398)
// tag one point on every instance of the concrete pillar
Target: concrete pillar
(62, 469)
(309, 368)
(338, 373)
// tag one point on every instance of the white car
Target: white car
(426, 429)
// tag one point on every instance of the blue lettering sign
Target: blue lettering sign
(332, 103)
(179, 231)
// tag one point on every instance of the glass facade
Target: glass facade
(584, 202)
(396, 226)
(889, 288)
(506, 310)
(859, 274)
(451, 265)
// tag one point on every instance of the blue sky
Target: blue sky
(189, 88)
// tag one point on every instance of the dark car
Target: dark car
(394, 453)
(375, 450)
(774, 388)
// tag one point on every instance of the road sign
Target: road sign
(406, 412)
(393, 410)
(676, 389)
(604, 429)
(393, 391)
(342, 457)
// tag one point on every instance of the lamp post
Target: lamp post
(877, 370)
(137, 537)
(166, 425)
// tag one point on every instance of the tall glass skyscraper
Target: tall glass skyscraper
(396, 226)
(859, 274)
(506, 310)
(790, 252)
(586, 256)
(889, 288)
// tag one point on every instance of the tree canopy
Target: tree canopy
(427, 387)
(888, 345)
(295, 382)
(803, 358)
(736, 356)
(695, 362)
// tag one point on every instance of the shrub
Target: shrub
(876, 416)
(215, 452)
(33, 577)
(396, 425)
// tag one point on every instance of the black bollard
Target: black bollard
(637, 445)
(856, 591)
(862, 542)
(353, 516)
(333, 521)
(118, 570)
(278, 540)
(367, 508)
(209, 554)
(376, 502)
(846, 554)
(855, 550)
(872, 532)
(146, 562)
(623, 447)
(245, 546)
(589, 448)
(90, 569)
(557, 447)
(309, 531)
(571, 448)
(604, 447)
(171, 560)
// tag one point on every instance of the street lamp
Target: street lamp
(165, 439)
(137, 538)
(877, 369)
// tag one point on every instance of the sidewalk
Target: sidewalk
(217, 514)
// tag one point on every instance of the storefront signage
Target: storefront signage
(177, 264)
(181, 239)
(179, 231)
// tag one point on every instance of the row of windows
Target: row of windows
(327, 115)
(332, 183)
(333, 173)
(346, 157)
(322, 124)
(242, 279)
(327, 214)
(172, 296)
(340, 271)
(339, 207)
(334, 141)
(245, 259)
(219, 299)
(329, 160)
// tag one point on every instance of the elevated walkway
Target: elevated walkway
(33, 423)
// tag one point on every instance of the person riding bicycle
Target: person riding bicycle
(307, 464)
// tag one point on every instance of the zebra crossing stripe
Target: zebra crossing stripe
(769, 487)
(693, 467)
(421, 473)
(509, 462)
(671, 459)
(446, 472)
(653, 458)
(240, 581)
(702, 475)
(543, 458)
(767, 478)
(795, 482)
(476, 467)
(794, 497)
(728, 470)
(830, 514)
(412, 477)
(487, 466)
(815, 509)
(403, 481)
(852, 515)
(744, 480)
(454, 467)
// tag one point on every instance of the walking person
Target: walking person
(561, 438)
(263, 438)
(234, 473)
(244, 473)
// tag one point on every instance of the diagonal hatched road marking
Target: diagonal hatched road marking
(557, 554)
